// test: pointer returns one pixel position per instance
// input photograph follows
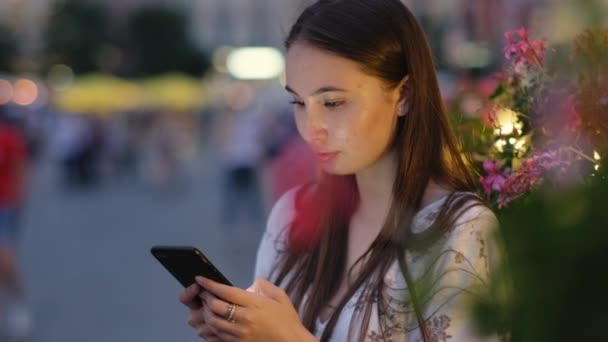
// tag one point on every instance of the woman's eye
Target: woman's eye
(297, 103)
(333, 104)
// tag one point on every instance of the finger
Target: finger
(189, 295)
(219, 325)
(230, 338)
(196, 318)
(222, 327)
(206, 332)
(227, 293)
(194, 324)
(269, 290)
(218, 306)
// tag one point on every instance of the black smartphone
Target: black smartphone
(186, 262)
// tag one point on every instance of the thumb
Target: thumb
(269, 290)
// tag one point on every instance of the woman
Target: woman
(390, 243)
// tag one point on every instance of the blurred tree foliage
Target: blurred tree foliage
(159, 43)
(8, 50)
(557, 245)
(75, 35)
(82, 35)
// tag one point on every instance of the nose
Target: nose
(316, 129)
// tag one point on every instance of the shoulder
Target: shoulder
(273, 242)
(474, 218)
(282, 216)
(472, 222)
(283, 211)
(476, 213)
(471, 245)
(471, 239)
(466, 209)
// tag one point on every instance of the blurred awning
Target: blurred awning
(173, 92)
(100, 94)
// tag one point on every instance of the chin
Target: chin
(337, 169)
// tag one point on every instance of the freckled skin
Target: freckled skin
(358, 122)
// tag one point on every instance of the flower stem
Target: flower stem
(581, 154)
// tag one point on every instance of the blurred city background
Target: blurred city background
(165, 122)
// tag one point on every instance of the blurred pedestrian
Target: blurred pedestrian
(240, 147)
(13, 168)
(162, 151)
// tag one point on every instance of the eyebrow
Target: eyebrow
(318, 91)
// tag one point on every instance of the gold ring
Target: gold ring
(233, 318)
(230, 310)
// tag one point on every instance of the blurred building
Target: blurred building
(27, 19)
(245, 22)
(265, 22)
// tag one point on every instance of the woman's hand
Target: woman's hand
(262, 313)
(190, 297)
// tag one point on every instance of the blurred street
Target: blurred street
(85, 253)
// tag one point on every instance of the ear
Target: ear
(404, 97)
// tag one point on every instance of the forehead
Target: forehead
(308, 68)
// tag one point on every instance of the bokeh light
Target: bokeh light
(255, 63)
(26, 92)
(60, 77)
(6, 92)
(507, 122)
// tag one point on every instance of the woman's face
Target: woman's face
(345, 115)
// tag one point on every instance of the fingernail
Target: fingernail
(200, 279)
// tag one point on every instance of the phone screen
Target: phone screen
(185, 263)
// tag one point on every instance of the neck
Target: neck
(375, 185)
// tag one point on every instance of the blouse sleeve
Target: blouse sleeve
(273, 240)
(458, 273)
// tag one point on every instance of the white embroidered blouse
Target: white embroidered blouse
(455, 266)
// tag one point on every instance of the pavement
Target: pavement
(86, 261)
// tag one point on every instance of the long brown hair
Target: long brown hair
(387, 42)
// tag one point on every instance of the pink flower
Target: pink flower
(524, 52)
(529, 175)
(494, 179)
(488, 85)
(491, 166)
(523, 33)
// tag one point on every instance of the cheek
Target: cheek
(373, 128)
(348, 128)
(301, 124)
(344, 133)
(369, 136)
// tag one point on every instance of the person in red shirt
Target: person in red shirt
(13, 161)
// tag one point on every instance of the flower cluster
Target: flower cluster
(524, 52)
(511, 185)
(541, 121)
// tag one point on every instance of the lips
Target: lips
(326, 156)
